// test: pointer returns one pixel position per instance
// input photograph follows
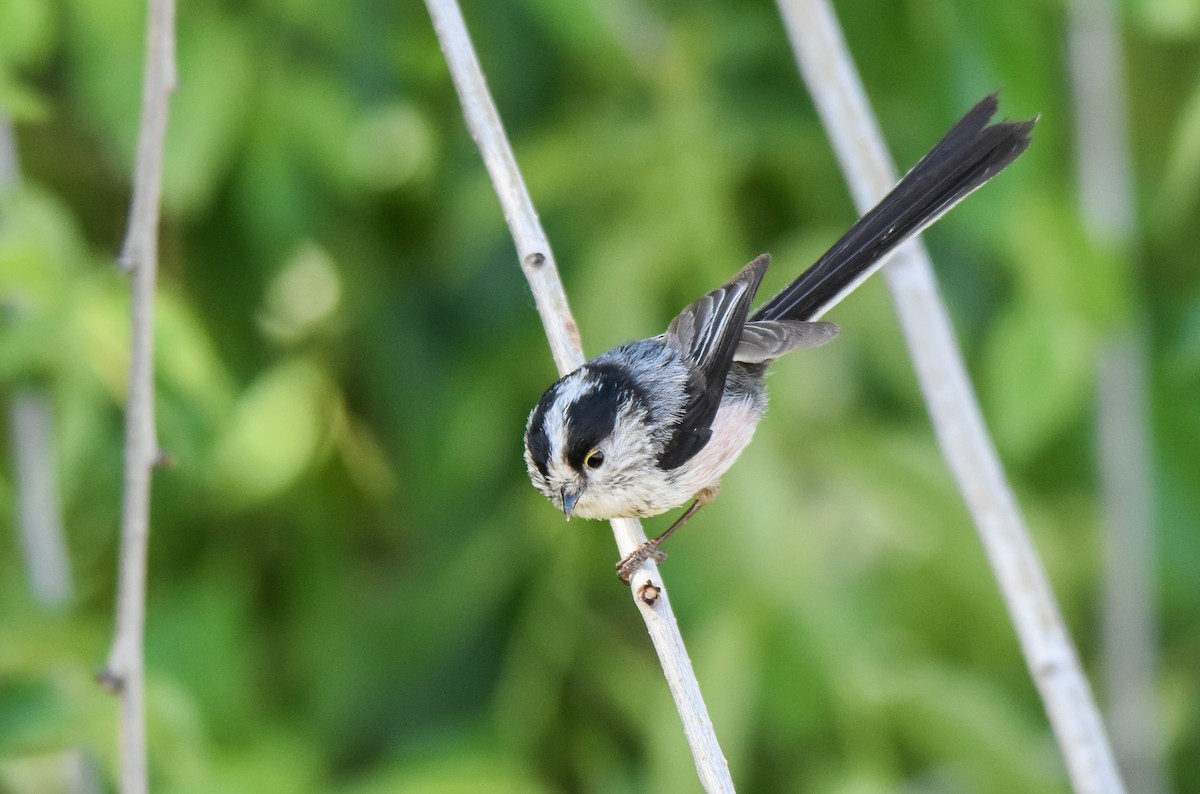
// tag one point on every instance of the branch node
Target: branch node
(536, 259)
(112, 682)
(1048, 670)
(648, 593)
(573, 332)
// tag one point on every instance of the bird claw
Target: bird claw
(647, 551)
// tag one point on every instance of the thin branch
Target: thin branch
(1105, 173)
(829, 71)
(42, 538)
(31, 424)
(124, 673)
(538, 264)
(1104, 168)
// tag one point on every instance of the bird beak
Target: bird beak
(569, 497)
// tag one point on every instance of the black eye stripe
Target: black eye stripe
(592, 417)
(589, 419)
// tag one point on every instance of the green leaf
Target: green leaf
(274, 433)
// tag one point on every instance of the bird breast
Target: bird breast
(732, 429)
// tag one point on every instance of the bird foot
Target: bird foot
(647, 551)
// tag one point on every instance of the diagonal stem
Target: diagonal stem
(829, 71)
(537, 262)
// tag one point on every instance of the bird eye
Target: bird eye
(594, 459)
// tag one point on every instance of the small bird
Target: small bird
(645, 427)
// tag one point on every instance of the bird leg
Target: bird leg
(650, 550)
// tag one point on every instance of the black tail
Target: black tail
(970, 154)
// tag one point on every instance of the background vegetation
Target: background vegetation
(353, 587)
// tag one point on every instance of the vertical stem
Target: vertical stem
(125, 673)
(42, 537)
(828, 69)
(31, 417)
(1128, 630)
(31, 423)
(1105, 175)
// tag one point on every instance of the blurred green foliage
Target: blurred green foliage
(352, 586)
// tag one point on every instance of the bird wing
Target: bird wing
(708, 333)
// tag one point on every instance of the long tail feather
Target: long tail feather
(968, 156)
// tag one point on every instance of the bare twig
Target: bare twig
(32, 430)
(1105, 174)
(649, 592)
(31, 419)
(124, 672)
(42, 537)
(1128, 629)
(830, 74)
